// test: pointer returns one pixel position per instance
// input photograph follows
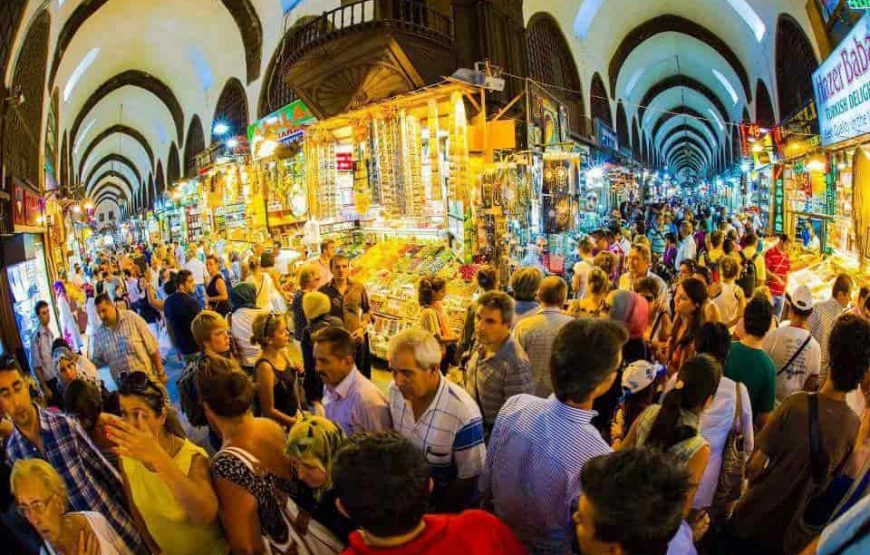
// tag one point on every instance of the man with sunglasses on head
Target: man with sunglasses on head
(93, 484)
(639, 263)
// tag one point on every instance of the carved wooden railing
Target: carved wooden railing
(412, 16)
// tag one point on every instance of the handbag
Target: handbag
(733, 469)
(305, 536)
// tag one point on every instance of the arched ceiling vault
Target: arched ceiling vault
(117, 162)
(684, 140)
(121, 129)
(117, 144)
(678, 139)
(683, 124)
(114, 178)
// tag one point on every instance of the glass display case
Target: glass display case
(29, 283)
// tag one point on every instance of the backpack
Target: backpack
(188, 392)
(747, 278)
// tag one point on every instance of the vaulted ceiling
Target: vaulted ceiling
(687, 69)
(131, 75)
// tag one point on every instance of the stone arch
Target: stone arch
(133, 78)
(795, 63)
(159, 180)
(242, 11)
(622, 136)
(675, 81)
(674, 23)
(764, 114)
(194, 144)
(114, 175)
(173, 168)
(551, 61)
(111, 130)
(111, 159)
(599, 102)
(64, 163)
(277, 92)
(23, 123)
(635, 140)
(232, 109)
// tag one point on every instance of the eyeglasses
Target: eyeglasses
(37, 507)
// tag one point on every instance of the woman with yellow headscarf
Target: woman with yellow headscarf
(312, 445)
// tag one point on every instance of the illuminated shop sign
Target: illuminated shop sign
(842, 87)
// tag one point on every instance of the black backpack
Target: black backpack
(188, 392)
(747, 278)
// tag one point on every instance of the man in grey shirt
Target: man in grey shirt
(537, 333)
(499, 367)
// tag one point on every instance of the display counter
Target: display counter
(391, 270)
(818, 273)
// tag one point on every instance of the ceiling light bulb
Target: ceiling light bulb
(220, 128)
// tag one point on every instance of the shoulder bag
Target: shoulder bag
(796, 354)
(305, 536)
(733, 470)
(825, 491)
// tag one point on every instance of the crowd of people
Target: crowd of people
(666, 395)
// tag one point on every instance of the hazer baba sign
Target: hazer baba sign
(842, 87)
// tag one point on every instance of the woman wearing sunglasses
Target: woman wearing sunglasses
(277, 376)
(166, 477)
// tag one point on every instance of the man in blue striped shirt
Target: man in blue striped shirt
(539, 446)
(438, 417)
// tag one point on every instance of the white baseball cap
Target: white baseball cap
(802, 298)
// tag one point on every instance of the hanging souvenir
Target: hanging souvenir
(434, 152)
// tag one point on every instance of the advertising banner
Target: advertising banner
(606, 135)
(842, 87)
(282, 126)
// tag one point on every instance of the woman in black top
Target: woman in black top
(216, 292)
(277, 376)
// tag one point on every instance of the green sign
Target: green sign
(859, 4)
(282, 126)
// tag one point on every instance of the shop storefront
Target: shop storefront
(832, 193)
(26, 261)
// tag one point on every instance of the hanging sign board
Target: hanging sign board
(27, 206)
(853, 4)
(606, 136)
(282, 126)
(842, 87)
(778, 204)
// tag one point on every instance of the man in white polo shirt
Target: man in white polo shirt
(438, 417)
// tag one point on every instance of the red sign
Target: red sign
(344, 161)
(27, 206)
(750, 131)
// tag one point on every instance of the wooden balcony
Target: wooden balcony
(366, 51)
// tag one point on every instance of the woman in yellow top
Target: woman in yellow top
(166, 477)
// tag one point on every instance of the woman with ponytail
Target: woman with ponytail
(673, 425)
